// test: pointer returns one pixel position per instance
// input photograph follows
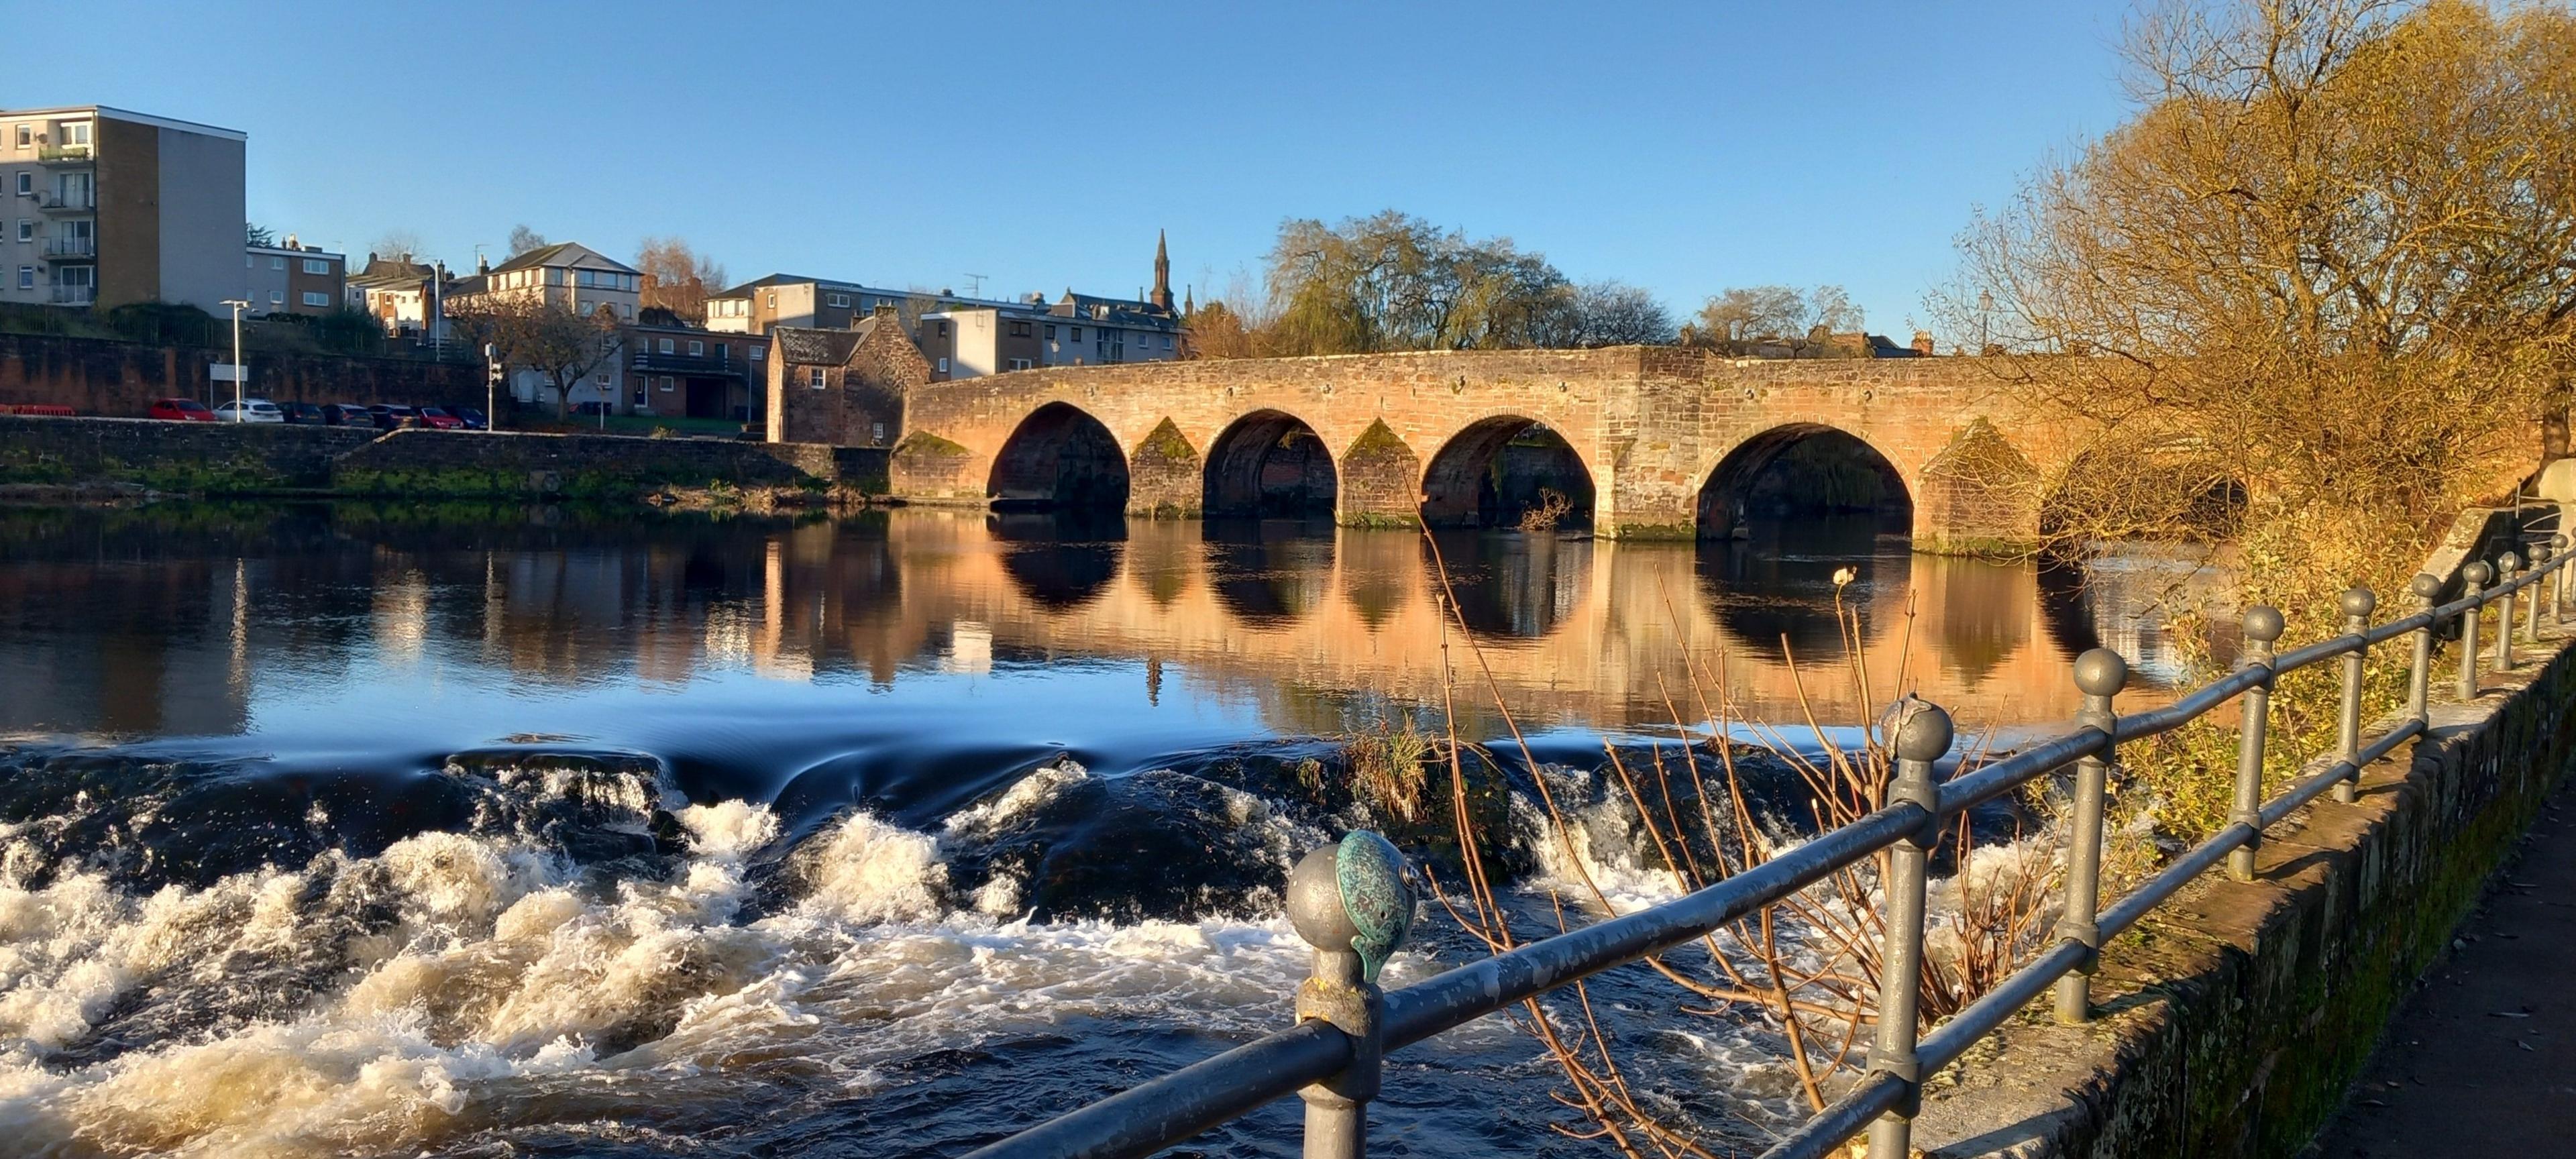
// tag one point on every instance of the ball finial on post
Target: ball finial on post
(2477, 572)
(2263, 623)
(2508, 563)
(2358, 602)
(2425, 587)
(1923, 730)
(2101, 672)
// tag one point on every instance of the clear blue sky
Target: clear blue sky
(1683, 148)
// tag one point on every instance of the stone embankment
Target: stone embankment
(228, 459)
(2239, 1013)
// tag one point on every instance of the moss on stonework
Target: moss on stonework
(925, 443)
(1667, 532)
(1976, 546)
(1378, 520)
(1378, 439)
(1165, 441)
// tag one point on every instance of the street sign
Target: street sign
(227, 372)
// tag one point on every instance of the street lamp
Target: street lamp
(238, 306)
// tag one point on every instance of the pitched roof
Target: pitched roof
(390, 272)
(564, 253)
(804, 347)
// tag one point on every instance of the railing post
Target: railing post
(2531, 602)
(2508, 565)
(2419, 679)
(2473, 581)
(1922, 734)
(2262, 626)
(2558, 583)
(2099, 675)
(1352, 903)
(2357, 605)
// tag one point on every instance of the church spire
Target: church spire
(1162, 295)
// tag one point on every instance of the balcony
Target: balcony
(74, 295)
(646, 360)
(65, 154)
(55, 201)
(71, 249)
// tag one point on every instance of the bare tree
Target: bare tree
(533, 334)
(399, 245)
(1743, 318)
(678, 279)
(1608, 313)
(523, 239)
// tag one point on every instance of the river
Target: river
(354, 830)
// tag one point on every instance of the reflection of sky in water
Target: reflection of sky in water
(760, 646)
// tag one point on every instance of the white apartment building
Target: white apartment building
(102, 207)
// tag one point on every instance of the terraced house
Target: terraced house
(102, 207)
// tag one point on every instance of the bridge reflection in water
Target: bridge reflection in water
(132, 624)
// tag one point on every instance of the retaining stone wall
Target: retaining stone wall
(172, 456)
(448, 463)
(2242, 1010)
(98, 376)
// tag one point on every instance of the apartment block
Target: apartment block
(756, 306)
(969, 340)
(103, 207)
(567, 274)
(685, 371)
(294, 279)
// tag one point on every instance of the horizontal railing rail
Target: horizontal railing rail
(1331, 1058)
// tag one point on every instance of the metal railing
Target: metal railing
(60, 248)
(1332, 1057)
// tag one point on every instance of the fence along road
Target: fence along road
(1332, 1057)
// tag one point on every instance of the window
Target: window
(26, 277)
(1050, 333)
(26, 184)
(943, 329)
(666, 346)
(760, 354)
(697, 349)
(1167, 342)
(317, 299)
(1020, 364)
(603, 378)
(1076, 336)
(876, 434)
(943, 366)
(814, 378)
(248, 262)
(316, 266)
(26, 135)
(76, 133)
(277, 263)
(666, 384)
(1019, 329)
(26, 229)
(836, 299)
(277, 297)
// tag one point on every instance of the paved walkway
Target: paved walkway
(2482, 1060)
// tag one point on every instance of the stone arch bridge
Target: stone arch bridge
(1644, 442)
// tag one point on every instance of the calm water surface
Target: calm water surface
(345, 830)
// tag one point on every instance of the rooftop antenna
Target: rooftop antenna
(975, 288)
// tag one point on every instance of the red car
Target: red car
(186, 410)
(436, 419)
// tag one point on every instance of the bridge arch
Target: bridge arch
(1060, 457)
(1801, 470)
(1269, 463)
(1501, 466)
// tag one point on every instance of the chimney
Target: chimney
(482, 264)
(1923, 343)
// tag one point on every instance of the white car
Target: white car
(249, 410)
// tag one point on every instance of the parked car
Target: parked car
(436, 419)
(347, 414)
(472, 418)
(300, 412)
(186, 410)
(389, 417)
(248, 410)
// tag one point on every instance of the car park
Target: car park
(346, 414)
(473, 419)
(186, 410)
(436, 419)
(248, 410)
(300, 412)
(388, 416)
